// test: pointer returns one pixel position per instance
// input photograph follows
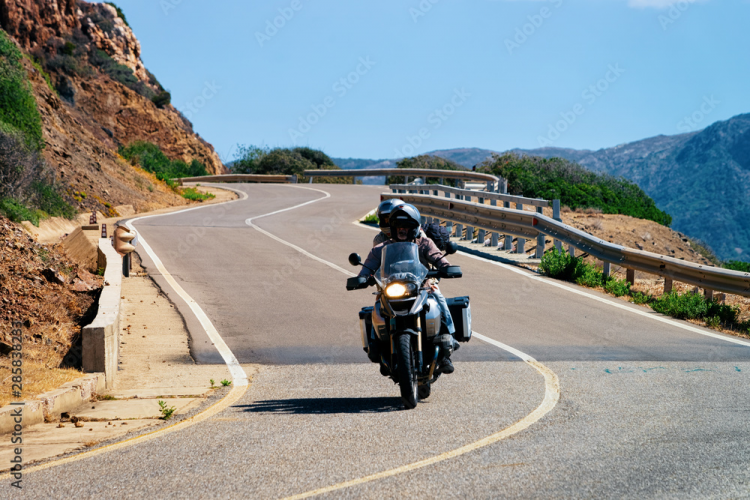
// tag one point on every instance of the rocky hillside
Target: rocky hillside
(702, 179)
(95, 94)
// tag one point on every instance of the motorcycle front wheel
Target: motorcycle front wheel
(407, 373)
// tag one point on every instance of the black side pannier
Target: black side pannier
(461, 312)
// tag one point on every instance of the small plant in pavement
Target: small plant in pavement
(226, 382)
(166, 412)
(212, 382)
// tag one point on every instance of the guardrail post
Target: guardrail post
(424, 219)
(294, 179)
(459, 231)
(572, 250)
(556, 216)
(508, 238)
(440, 181)
(354, 180)
(708, 293)
(630, 276)
(539, 240)
(449, 227)
(494, 241)
(667, 285)
(521, 242)
(606, 269)
(480, 238)
(469, 233)
(310, 181)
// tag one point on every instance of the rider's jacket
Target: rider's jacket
(428, 253)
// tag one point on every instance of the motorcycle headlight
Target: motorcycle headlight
(395, 290)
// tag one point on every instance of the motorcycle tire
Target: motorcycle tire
(407, 376)
(424, 391)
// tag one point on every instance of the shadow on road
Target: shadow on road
(311, 406)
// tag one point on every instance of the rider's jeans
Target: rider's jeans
(444, 311)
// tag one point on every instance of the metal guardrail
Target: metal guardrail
(241, 178)
(407, 172)
(467, 193)
(524, 224)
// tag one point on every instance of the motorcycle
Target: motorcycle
(405, 323)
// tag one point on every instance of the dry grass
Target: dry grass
(37, 379)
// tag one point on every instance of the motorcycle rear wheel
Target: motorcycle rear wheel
(407, 376)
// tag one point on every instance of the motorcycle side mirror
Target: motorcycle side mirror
(451, 247)
(451, 272)
(355, 259)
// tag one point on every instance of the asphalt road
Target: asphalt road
(647, 408)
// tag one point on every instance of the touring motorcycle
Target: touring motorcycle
(401, 331)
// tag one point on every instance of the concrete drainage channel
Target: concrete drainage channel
(130, 380)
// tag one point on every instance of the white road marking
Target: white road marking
(239, 377)
(304, 252)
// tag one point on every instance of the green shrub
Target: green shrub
(69, 48)
(49, 199)
(371, 219)
(428, 162)
(153, 160)
(119, 73)
(574, 185)
(588, 275)
(640, 298)
(247, 159)
(695, 306)
(737, 265)
(41, 71)
(194, 195)
(559, 265)
(17, 104)
(617, 287)
(162, 99)
(17, 211)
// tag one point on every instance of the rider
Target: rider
(404, 226)
(384, 213)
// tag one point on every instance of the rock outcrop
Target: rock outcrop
(91, 109)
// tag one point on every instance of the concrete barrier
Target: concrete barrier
(51, 404)
(100, 338)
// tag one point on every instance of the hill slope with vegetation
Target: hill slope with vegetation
(575, 186)
(74, 90)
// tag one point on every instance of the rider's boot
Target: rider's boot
(445, 341)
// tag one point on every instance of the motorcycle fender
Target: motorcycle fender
(378, 323)
(432, 318)
(419, 303)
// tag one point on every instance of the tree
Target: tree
(247, 159)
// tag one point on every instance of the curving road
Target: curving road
(648, 407)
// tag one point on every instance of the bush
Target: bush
(194, 195)
(119, 73)
(589, 276)
(428, 162)
(17, 211)
(247, 159)
(17, 104)
(617, 287)
(162, 99)
(575, 186)
(48, 199)
(694, 306)
(559, 265)
(153, 160)
(737, 265)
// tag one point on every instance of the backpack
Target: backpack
(438, 234)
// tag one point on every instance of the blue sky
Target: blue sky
(374, 79)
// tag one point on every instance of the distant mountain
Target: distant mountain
(702, 179)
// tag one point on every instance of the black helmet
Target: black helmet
(384, 211)
(406, 216)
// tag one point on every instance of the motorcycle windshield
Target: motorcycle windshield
(400, 262)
